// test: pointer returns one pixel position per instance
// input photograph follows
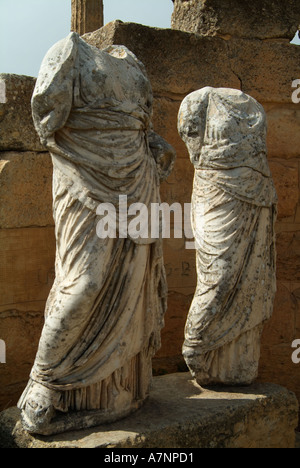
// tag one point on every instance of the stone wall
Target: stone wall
(260, 19)
(177, 63)
(27, 244)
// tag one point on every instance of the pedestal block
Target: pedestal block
(180, 414)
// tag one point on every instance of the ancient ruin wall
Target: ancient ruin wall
(259, 19)
(177, 63)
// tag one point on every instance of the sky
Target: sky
(28, 28)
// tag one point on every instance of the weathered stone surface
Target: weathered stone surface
(269, 66)
(17, 130)
(177, 63)
(286, 179)
(252, 65)
(27, 263)
(20, 328)
(288, 256)
(93, 111)
(169, 358)
(26, 276)
(283, 136)
(283, 328)
(260, 416)
(225, 133)
(87, 15)
(296, 298)
(266, 69)
(278, 331)
(165, 111)
(25, 189)
(178, 187)
(167, 72)
(259, 18)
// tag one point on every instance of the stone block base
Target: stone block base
(180, 414)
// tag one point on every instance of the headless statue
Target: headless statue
(233, 215)
(92, 110)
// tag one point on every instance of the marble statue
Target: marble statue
(92, 110)
(234, 207)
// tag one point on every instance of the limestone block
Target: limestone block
(297, 439)
(178, 187)
(259, 18)
(180, 266)
(285, 372)
(266, 69)
(169, 358)
(25, 189)
(260, 416)
(16, 126)
(26, 276)
(176, 62)
(296, 297)
(288, 256)
(263, 69)
(276, 352)
(20, 328)
(27, 263)
(281, 327)
(165, 111)
(286, 178)
(283, 137)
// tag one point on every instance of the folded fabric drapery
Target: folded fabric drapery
(233, 215)
(92, 109)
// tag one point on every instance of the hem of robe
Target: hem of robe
(235, 363)
(124, 386)
(227, 306)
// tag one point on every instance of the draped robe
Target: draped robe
(233, 215)
(92, 110)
